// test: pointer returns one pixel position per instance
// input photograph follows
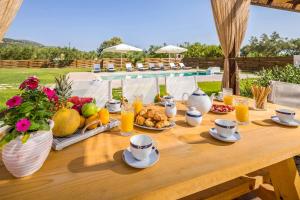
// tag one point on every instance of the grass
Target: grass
(13, 77)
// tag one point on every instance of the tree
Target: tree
(108, 43)
(198, 50)
(273, 45)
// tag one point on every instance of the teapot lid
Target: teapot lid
(193, 112)
(199, 92)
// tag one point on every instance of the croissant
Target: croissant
(140, 120)
(149, 122)
(150, 114)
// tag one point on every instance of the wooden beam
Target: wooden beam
(285, 179)
(292, 5)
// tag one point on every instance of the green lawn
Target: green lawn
(14, 76)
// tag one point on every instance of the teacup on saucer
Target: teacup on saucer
(285, 115)
(233, 138)
(294, 123)
(113, 105)
(225, 128)
(141, 146)
(130, 160)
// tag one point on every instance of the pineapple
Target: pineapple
(63, 87)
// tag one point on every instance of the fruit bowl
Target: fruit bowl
(221, 109)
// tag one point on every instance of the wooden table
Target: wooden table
(190, 161)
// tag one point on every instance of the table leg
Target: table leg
(285, 179)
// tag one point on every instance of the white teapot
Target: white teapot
(201, 101)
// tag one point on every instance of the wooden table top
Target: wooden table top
(190, 161)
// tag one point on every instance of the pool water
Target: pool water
(152, 75)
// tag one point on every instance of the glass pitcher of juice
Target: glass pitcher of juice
(127, 119)
(242, 111)
(138, 104)
(228, 96)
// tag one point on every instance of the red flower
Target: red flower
(31, 83)
(14, 101)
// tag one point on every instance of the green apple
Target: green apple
(89, 109)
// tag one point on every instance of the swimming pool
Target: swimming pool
(134, 75)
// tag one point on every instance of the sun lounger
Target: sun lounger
(129, 67)
(161, 66)
(213, 70)
(176, 86)
(153, 67)
(141, 67)
(96, 68)
(286, 94)
(148, 87)
(297, 60)
(182, 66)
(111, 67)
(173, 66)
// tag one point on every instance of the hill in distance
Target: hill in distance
(8, 41)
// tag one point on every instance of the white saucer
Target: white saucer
(294, 123)
(131, 161)
(235, 137)
(113, 111)
(219, 98)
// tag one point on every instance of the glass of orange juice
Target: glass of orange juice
(242, 111)
(228, 96)
(127, 119)
(138, 104)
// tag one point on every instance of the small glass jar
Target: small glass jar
(260, 105)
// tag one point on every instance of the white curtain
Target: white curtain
(8, 11)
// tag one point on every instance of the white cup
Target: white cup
(141, 146)
(168, 99)
(285, 115)
(225, 128)
(113, 105)
(170, 109)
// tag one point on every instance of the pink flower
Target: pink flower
(14, 101)
(23, 125)
(31, 83)
(51, 94)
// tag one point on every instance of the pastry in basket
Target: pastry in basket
(162, 124)
(149, 114)
(143, 112)
(160, 117)
(140, 120)
(149, 122)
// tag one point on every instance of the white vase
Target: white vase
(25, 159)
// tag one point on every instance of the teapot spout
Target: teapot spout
(212, 97)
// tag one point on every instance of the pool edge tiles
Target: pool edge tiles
(127, 75)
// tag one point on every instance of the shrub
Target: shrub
(289, 74)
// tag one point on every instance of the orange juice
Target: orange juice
(127, 118)
(228, 100)
(137, 105)
(242, 111)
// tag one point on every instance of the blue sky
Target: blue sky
(85, 24)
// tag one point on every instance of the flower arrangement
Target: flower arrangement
(29, 111)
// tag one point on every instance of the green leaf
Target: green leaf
(44, 126)
(34, 126)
